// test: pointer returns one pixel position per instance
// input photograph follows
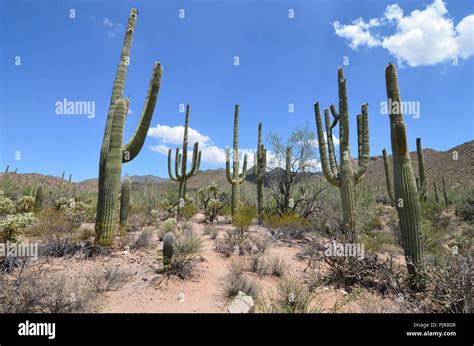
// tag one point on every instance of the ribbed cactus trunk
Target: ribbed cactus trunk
(259, 171)
(39, 197)
(344, 176)
(286, 185)
(125, 201)
(235, 178)
(181, 162)
(112, 154)
(445, 193)
(405, 194)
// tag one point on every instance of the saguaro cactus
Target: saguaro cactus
(39, 197)
(259, 168)
(436, 192)
(403, 192)
(181, 162)
(168, 248)
(125, 201)
(112, 154)
(235, 178)
(445, 193)
(344, 176)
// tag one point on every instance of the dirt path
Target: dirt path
(143, 293)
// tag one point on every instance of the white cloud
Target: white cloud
(130, 111)
(160, 148)
(357, 33)
(107, 22)
(175, 134)
(424, 37)
(172, 137)
(335, 140)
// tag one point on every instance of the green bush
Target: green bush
(244, 218)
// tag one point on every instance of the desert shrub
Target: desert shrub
(135, 223)
(376, 241)
(211, 231)
(370, 272)
(43, 291)
(106, 279)
(187, 248)
(292, 297)
(189, 210)
(277, 267)
(244, 218)
(143, 240)
(465, 209)
(288, 226)
(236, 280)
(448, 282)
(234, 242)
(258, 265)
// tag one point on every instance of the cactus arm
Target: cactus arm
(421, 169)
(322, 149)
(364, 153)
(170, 171)
(135, 144)
(196, 160)
(227, 166)
(244, 170)
(332, 153)
(388, 178)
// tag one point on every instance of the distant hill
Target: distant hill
(458, 173)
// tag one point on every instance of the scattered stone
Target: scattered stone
(242, 304)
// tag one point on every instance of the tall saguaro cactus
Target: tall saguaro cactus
(113, 153)
(403, 191)
(125, 201)
(343, 175)
(182, 160)
(259, 168)
(235, 178)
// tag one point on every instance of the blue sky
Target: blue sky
(282, 61)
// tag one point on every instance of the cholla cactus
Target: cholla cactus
(6, 205)
(212, 200)
(170, 225)
(11, 225)
(76, 211)
(25, 204)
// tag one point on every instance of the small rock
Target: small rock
(254, 250)
(241, 304)
(343, 292)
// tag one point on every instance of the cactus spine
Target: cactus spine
(403, 192)
(181, 162)
(125, 201)
(259, 167)
(235, 178)
(112, 154)
(168, 248)
(343, 176)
